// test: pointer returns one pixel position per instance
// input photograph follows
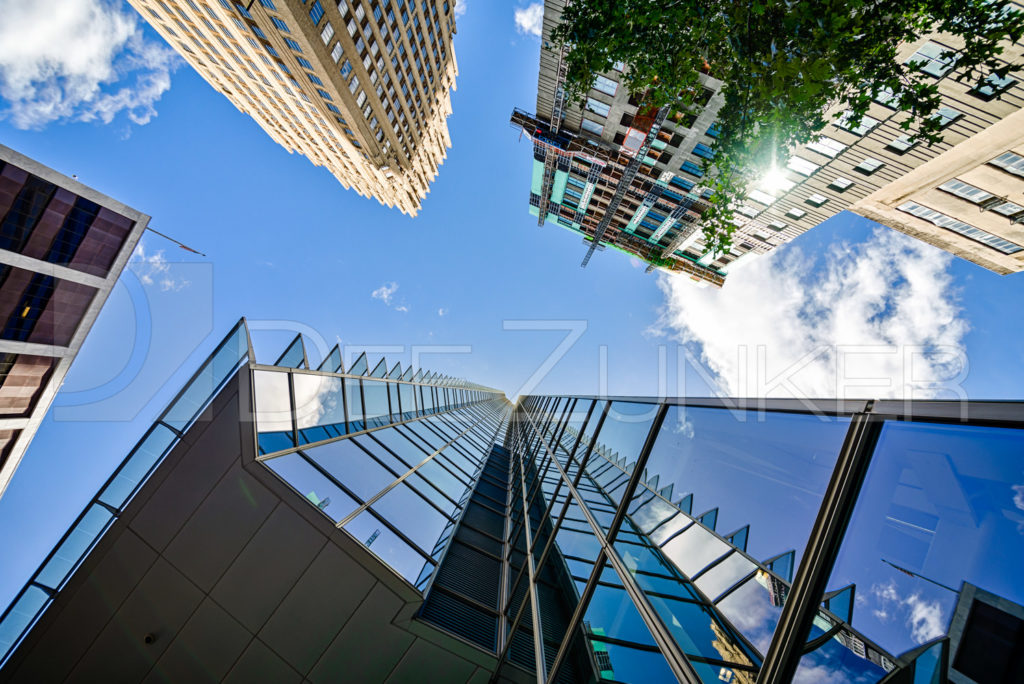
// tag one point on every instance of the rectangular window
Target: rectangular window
(316, 12)
(992, 87)
(337, 52)
(605, 85)
(966, 191)
(327, 33)
(323, 94)
(592, 126)
(315, 79)
(353, 84)
(887, 98)
(795, 213)
(692, 168)
(304, 63)
(761, 197)
(258, 32)
(333, 109)
(1010, 162)
(866, 123)
(957, 226)
(946, 116)
(268, 4)
(933, 59)
(816, 200)
(681, 183)
(841, 184)
(777, 225)
(901, 144)
(826, 146)
(599, 108)
(802, 166)
(1008, 209)
(869, 166)
(281, 26)
(293, 45)
(703, 151)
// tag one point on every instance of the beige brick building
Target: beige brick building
(360, 87)
(964, 195)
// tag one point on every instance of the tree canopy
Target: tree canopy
(784, 63)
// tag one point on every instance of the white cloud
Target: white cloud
(78, 60)
(818, 674)
(879, 319)
(460, 8)
(925, 619)
(1018, 496)
(155, 269)
(442, 311)
(530, 19)
(385, 292)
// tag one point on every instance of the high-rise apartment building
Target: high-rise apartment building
(280, 523)
(62, 247)
(360, 87)
(583, 181)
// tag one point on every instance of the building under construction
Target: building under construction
(629, 176)
(623, 174)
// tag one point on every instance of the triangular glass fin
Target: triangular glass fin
(360, 366)
(710, 518)
(739, 538)
(840, 602)
(294, 356)
(331, 362)
(782, 565)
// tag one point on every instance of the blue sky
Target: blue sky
(473, 285)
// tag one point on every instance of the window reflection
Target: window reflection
(353, 467)
(754, 608)
(375, 403)
(694, 549)
(354, 404)
(410, 513)
(724, 575)
(372, 533)
(319, 407)
(769, 470)
(313, 485)
(273, 411)
(940, 508)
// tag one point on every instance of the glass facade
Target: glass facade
(390, 461)
(656, 541)
(584, 539)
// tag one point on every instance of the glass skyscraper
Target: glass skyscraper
(282, 522)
